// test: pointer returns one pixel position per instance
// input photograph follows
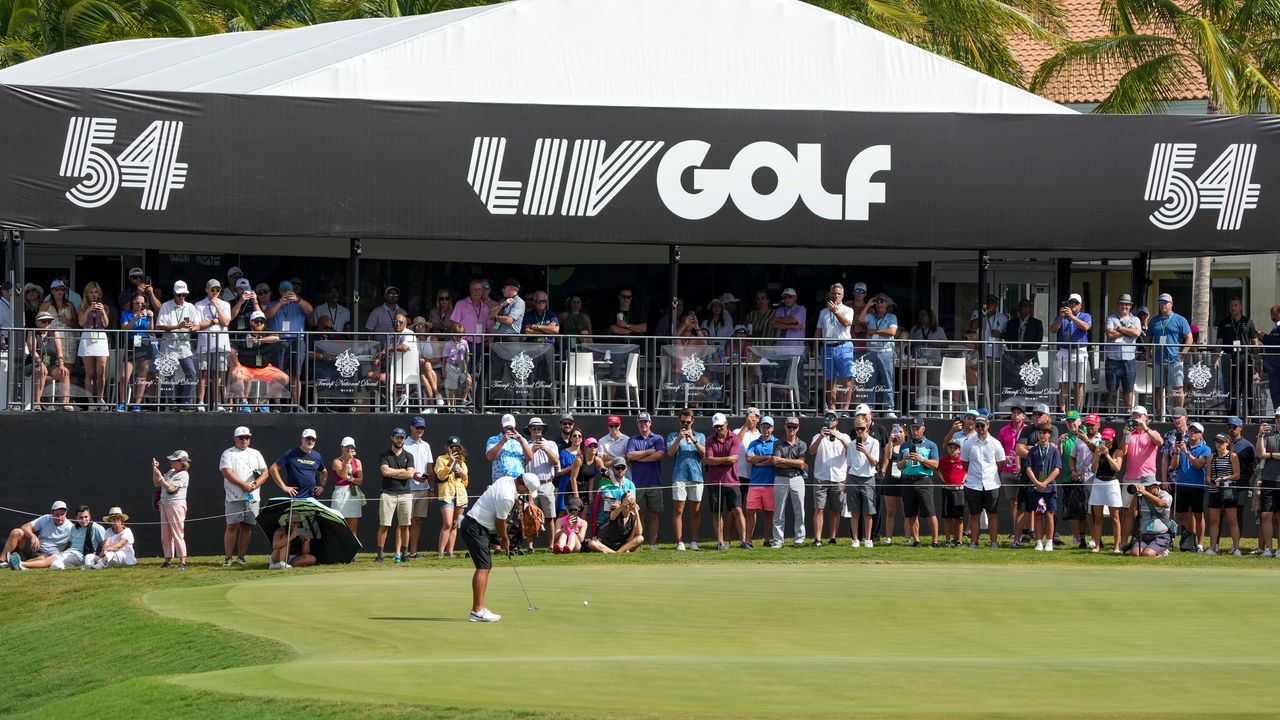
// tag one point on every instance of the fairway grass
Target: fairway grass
(1095, 637)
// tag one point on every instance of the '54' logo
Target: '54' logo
(1224, 186)
(149, 163)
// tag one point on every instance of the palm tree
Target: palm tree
(30, 28)
(1234, 44)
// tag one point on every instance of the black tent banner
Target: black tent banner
(265, 165)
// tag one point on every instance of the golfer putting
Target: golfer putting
(485, 526)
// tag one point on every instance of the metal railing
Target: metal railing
(384, 372)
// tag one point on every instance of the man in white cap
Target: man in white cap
(1123, 329)
(213, 342)
(724, 487)
(177, 319)
(1171, 333)
(789, 320)
(231, 291)
(243, 471)
(689, 448)
(545, 463)
(484, 526)
(300, 472)
(1141, 447)
(507, 451)
(829, 448)
(36, 544)
(1071, 327)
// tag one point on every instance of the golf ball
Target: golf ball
(584, 602)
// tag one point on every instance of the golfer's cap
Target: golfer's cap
(861, 409)
(753, 411)
(619, 461)
(398, 432)
(233, 271)
(1072, 415)
(793, 421)
(1075, 297)
(1125, 299)
(418, 421)
(179, 455)
(244, 284)
(1108, 434)
(212, 283)
(1178, 412)
(242, 431)
(644, 417)
(257, 315)
(1196, 426)
(613, 420)
(57, 505)
(719, 419)
(971, 412)
(1138, 410)
(180, 288)
(531, 481)
(789, 292)
(1234, 421)
(567, 417)
(1092, 419)
(573, 503)
(1164, 298)
(348, 442)
(535, 422)
(508, 420)
(767, 420)
(860, 287)
(309, 433)
(57, 284)
(454, 441)
(1040, 409)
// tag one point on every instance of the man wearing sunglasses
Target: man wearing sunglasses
(212, 341)
(333, 309)
(177, 319)
(383, 317)
(300, 472)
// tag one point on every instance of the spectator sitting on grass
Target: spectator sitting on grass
(86, 541)
(572, 529)
(36, 544)
(1155, 528)
(117, 548)
(612, 490)
(291, 547)
(623, 531)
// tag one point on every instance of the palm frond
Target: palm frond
(1147, 88)
(1216, 56)
(1096, 55)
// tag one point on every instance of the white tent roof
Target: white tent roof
(750, 54)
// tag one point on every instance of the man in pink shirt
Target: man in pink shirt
(1141, 447)
(472, 313)
(723, 486)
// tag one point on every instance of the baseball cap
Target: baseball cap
(1108, 434)
(1075, 297)
(1041, 409)
(347, 441)
(1142, 311)
(257, 315)
(179, 455)
(531, 481)
(262, 288)
(391, 289)
(1017, 406)
(1092, 419)
(511, 282)
(971, 412)
(57, 284)
(1125, 298)
(1196, 426)
(793, 420)
(179, 288)
(619, 461)
(739, 328)
(589, 442)
(508, 420)
(1138, 410)
(644, 417)
(753, 411)
(418, 421)
(308, 433)
(981, 420)
(398, 432)
(1221, 438)
(915, 422)
(882, 296)
(1234, 421)
(861, 409)
(789, 291)
(860, 287)
(567, 417)
(136, 272)
(231, 271)
(718, 419)
(454, 441)
(613, 420)
(212, 283)
(1164, 298)
(1149, 480)
(767, 420)
(241, 432)
(57, 505)
(244, 284)
(1178, 412)
(1072, 415)
(285, 285)
(953, 441)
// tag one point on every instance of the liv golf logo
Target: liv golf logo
(596, 175)
(1224, 186)
(149, 163)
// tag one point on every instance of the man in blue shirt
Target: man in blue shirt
(688, 447)
(612, 492)
(287, 317)
(1170, 334)
(86, 541)
(1191, 454)
(507, 451)
(1072, 329)
(882, 328)
(36, 544)
(644, 453)
(1042, 467)
(304, 474)
(760, 494)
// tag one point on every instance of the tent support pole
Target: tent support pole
(1141, 269)
(353, 283)
(15, 256)
(984, 285)
(673, 263)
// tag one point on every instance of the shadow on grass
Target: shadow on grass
(420, 619)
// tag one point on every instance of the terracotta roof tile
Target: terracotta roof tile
(1083, 85)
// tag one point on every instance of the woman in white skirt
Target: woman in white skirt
(95, 318)
(348, 500)
(117, 549)
(1105, 491)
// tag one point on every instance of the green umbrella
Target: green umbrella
(331, 540)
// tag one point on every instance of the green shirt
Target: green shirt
(1069, 462)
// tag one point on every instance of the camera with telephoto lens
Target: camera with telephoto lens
(1131, 424)
(1131, 489)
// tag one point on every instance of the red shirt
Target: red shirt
(723, 474)
(951, 470)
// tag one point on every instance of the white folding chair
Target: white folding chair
(952, 380)
(631, 382)
(581, 371)
(404, 378)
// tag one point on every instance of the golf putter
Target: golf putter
(532, 607)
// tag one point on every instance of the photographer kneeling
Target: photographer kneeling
(1155, 528)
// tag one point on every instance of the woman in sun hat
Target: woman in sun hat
(348, 499)
(452, 478)
(173, 506)
(117, 549)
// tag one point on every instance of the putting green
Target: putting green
(756, 640)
